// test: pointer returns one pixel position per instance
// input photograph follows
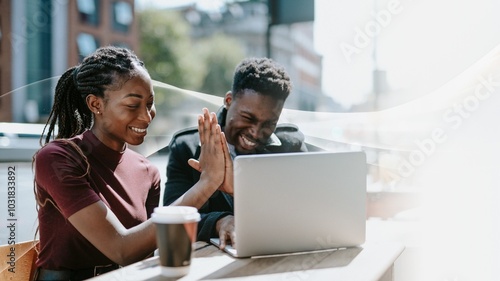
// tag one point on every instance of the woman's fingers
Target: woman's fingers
(211, 160)
(208, 127)
(201, 130)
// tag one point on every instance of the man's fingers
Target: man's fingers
(195, 164)
(233, 239)
(222, 240)
(225, 148)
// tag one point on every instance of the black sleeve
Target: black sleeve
(207, 225)
(181, 177)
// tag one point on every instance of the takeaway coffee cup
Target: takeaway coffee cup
(175, 235)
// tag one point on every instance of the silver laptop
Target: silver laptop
(298, 202)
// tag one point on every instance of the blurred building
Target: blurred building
(40, 39)
(290, 44)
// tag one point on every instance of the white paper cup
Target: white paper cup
(176, 228)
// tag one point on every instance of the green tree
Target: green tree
(173, 57)
(166, 48)
(220, 54)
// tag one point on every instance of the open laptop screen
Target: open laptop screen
(295, 202)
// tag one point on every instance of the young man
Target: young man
(248, 121)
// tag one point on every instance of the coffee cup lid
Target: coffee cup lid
(175, 214)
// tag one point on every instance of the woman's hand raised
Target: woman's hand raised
(213, 148)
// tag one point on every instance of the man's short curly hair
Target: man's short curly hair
(262, 75)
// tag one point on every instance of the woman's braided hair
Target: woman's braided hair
(105, 69)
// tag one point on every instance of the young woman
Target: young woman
(95, 195)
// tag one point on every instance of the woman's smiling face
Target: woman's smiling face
(126, 113)
(251, 119)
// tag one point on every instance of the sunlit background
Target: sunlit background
(414, 84)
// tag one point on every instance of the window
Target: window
(86, 43)
(38, 55)
(89, 11)
(122, 16)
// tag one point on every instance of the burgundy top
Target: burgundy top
(125, 181)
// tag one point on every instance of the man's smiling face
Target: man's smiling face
(251, 119)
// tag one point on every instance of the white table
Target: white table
(371, 261)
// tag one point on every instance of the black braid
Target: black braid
(105, 69)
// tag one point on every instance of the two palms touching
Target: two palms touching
(215, 161)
